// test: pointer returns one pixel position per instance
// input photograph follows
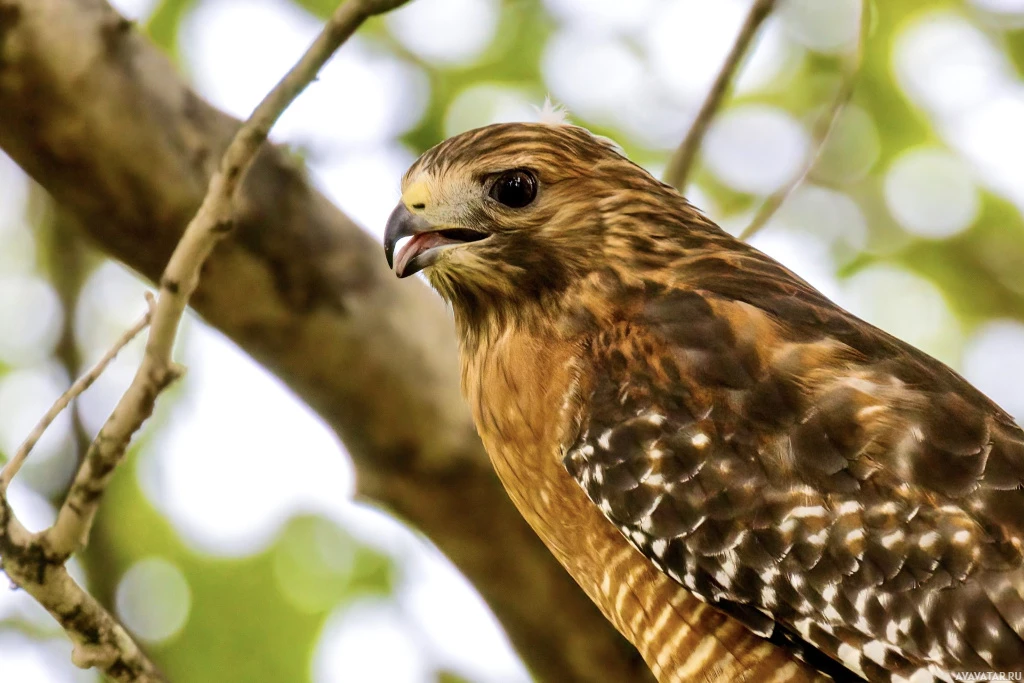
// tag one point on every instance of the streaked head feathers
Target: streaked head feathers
(489, 249)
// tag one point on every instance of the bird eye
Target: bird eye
(514, 189)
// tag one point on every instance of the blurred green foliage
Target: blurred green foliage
(252, 619)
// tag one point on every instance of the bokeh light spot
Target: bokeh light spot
(592, 74)
(852, 148)
(241, 454)
(364, 95)
(482, 105)
(153, 598)
(919, 316)
(947, 64)
(369, 642)
(688, 40)
(25, 396)
(755, 148)
(446, 31)
(605, 16)
(994, 362)
(827, 27)
(29, 305)
(313, 563)
(462, 631)
(111, 300)
(931, 193)
(138, 10)
(827, 213)
(1000, 6)
(33, 510)
(235, 74)
(13, 202)
(992, 137)
(31, 660)
(364, 184)
(804, 253)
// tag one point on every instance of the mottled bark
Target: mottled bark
(101, 119)
(99, 640)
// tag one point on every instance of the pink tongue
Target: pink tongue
(420, 243)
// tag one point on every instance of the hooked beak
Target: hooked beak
(403, 223)
(427, 243)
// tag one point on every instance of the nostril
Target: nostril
(419, 205)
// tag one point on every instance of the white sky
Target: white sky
(222, 483)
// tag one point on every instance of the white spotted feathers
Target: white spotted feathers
(857, 576)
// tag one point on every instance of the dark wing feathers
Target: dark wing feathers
(818, 479)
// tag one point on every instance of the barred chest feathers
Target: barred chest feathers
(511, 383)
(524, 394)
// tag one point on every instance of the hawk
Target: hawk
(676, 414)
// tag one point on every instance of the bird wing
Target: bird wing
(808, 473)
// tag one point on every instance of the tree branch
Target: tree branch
(821, 131)
(65, 399)
(99, 640)
(210, 225)
(36, 561)
(681, 163)
(98, 117)
(102, 120)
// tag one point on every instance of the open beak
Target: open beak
(427, 243)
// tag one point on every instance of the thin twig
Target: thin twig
(99, 639)
(212, 222)
(36, 561)
(683, 159)
(28, 628)
(820, 133)
(76, 389)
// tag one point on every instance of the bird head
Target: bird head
(515, 213)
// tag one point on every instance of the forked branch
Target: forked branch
(36, 561)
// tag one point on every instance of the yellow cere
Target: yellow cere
(416, 193)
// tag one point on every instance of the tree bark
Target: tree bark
(100, 118)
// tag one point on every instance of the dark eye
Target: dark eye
(514, 189)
